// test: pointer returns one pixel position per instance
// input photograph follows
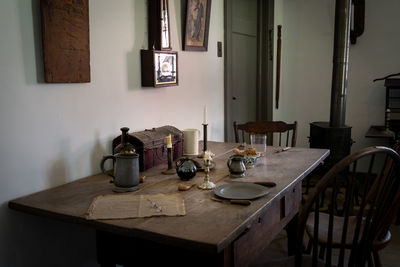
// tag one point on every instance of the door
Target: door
(246, 62)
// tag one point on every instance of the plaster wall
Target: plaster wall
(56, 133)
(306, 67)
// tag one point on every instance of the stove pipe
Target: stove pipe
(335, 135)
(340, 63)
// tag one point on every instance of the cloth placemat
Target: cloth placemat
(124, 206)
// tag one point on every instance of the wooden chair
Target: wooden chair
(349, 229)
(379, 243)
(266, 127)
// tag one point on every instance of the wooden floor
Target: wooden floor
(390, 256)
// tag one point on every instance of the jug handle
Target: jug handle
(102, 166)
(179, 162)
(229, 162)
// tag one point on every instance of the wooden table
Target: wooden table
(210, 234)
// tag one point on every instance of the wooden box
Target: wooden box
(151, 145)
(159, 68)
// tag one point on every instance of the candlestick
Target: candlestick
(207, 184)
(205, 137)
(202, 155)
(169, 142)
(205, 115)
(169, 169)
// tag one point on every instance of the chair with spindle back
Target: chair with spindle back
(385, 236)
(266, 127)
(351, 230)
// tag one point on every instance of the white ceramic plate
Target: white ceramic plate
(240, 191)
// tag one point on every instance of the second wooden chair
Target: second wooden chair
(266, 127)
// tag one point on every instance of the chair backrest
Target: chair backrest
(377, 202)
(266, 127)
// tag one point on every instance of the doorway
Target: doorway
(248, 62)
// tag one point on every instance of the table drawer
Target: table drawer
(268, 225)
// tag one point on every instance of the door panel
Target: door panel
(241, 67)
(244, 77)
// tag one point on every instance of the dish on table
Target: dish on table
(251, 156)
(240, 191)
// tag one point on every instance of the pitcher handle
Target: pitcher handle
(102, 166)
(229, 162)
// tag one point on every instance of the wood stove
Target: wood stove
(336, 139)
(335, 135)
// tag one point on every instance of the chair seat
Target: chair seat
(338, 229)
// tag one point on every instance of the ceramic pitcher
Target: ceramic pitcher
(126, 171)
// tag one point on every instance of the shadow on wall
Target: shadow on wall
(57, 169)
(97, 154)
(140, 42)
(34, 241)
(62, 169)
(31, 44)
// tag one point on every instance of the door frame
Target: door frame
(265, 51)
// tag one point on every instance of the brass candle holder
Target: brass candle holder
(207, 184)
(170, 169)
(203, 154)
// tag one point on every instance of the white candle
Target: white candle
(169, 141)
(205, 115)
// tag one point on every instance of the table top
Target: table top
(208, 226)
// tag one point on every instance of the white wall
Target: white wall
(306, 68)
(55, 133)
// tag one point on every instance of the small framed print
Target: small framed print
(197, 25)
(159, 68)
(159, 33)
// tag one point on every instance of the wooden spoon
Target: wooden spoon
(185, 187)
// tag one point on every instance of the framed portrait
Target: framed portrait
(159, 68)
(197, 25)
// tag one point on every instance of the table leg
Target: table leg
(291, 235)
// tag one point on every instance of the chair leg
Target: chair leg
(370, 261)
(309, 247)
(377, 259)
(308, 178)
(322, 252)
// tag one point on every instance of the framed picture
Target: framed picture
(159, 34)
(159, 68)
(197, 25)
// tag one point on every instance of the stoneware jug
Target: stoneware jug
(186, 168)
(126, 171)
(236, 166)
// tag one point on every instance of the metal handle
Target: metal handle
(102, 165)
(229, 162)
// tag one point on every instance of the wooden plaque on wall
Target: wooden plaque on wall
(65, 37)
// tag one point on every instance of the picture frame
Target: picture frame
(197, 25)
(159, 68)
(159, 36)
